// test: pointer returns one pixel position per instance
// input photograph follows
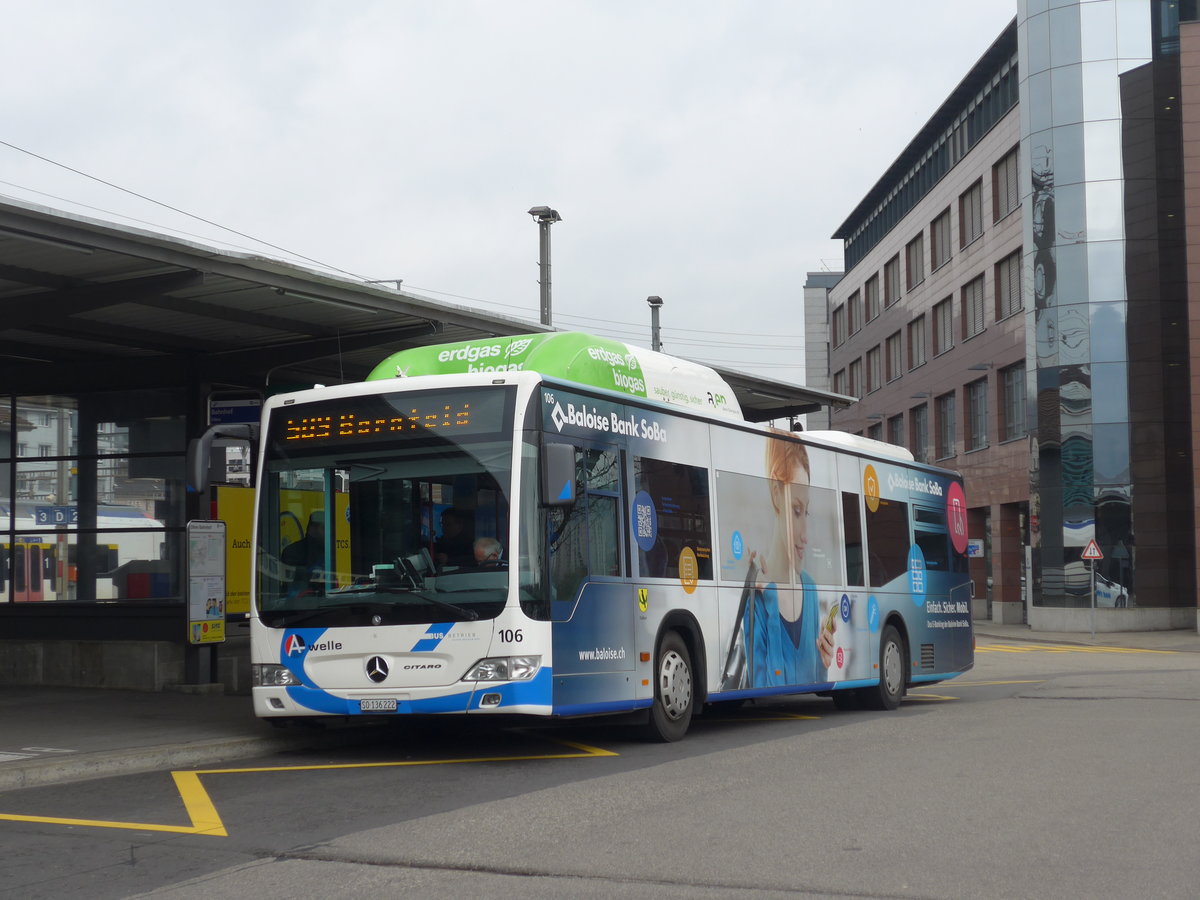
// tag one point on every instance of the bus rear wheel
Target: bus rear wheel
(674, 692)
(893, 672)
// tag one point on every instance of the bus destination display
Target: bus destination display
(370, 419)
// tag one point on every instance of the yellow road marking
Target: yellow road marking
(196, 801)
(101, 823)
(584, 751)
(199, 805)
(1060, 648)
(206, 820)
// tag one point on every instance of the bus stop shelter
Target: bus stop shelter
(117, 347)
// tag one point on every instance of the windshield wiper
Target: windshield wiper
(294, 617)
(469, 614)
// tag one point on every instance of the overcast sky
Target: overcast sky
(702, 151)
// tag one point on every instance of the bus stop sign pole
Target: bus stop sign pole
(1092, 552)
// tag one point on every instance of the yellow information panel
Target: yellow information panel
(235, 507)
(298, 509)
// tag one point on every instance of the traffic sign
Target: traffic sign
(1092, 551)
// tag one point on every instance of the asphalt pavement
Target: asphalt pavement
(58, 735)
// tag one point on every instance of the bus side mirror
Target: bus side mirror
(199, 453)
(558, 474)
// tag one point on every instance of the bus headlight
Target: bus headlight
(504, 668)
(265, 675)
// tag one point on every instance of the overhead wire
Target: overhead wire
(176, 209)
(624, 330)
(632, 326)
(128, 218)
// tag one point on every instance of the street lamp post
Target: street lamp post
(545, 217)
(655, 306)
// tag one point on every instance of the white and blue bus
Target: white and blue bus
(561, 525)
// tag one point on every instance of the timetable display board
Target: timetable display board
(206, 581)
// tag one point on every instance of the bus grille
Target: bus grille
(927, 656)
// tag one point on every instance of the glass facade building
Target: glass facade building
(1107, 356)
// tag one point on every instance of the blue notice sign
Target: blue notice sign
(56, 515)
(227, 412)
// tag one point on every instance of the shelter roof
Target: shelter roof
(89, 302)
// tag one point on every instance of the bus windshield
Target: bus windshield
(386, 509)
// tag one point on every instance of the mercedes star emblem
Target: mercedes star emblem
(377, 669)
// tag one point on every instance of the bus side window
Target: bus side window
(931, 536)
(934, 550)
(888, 540)
(854, 541)
(679, 493)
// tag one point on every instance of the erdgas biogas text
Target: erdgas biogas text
(594, 420)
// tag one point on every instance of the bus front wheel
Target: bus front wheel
(893, 672)
(674, 694)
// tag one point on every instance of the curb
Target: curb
(16, 776)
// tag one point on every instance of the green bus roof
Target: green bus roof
(577, 357)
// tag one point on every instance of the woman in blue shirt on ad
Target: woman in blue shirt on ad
(781, 626)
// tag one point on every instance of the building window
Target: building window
(976, 435)
(839, 326)
(972, 307)
(943, 327)
(894, 360)
(920, 433)
(22, 449)
(839, 381)
(855, 380)
(970, 214)
(944, 410)
(1005, 187)
(1012, 402)
(871, 297)
(916, 342)
(1008, 286)
(891, 281)
(874, 368)
(895, 429)
(875, 432)
(854, 313)
(43, 450)
(914, 260)
(939, 241)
